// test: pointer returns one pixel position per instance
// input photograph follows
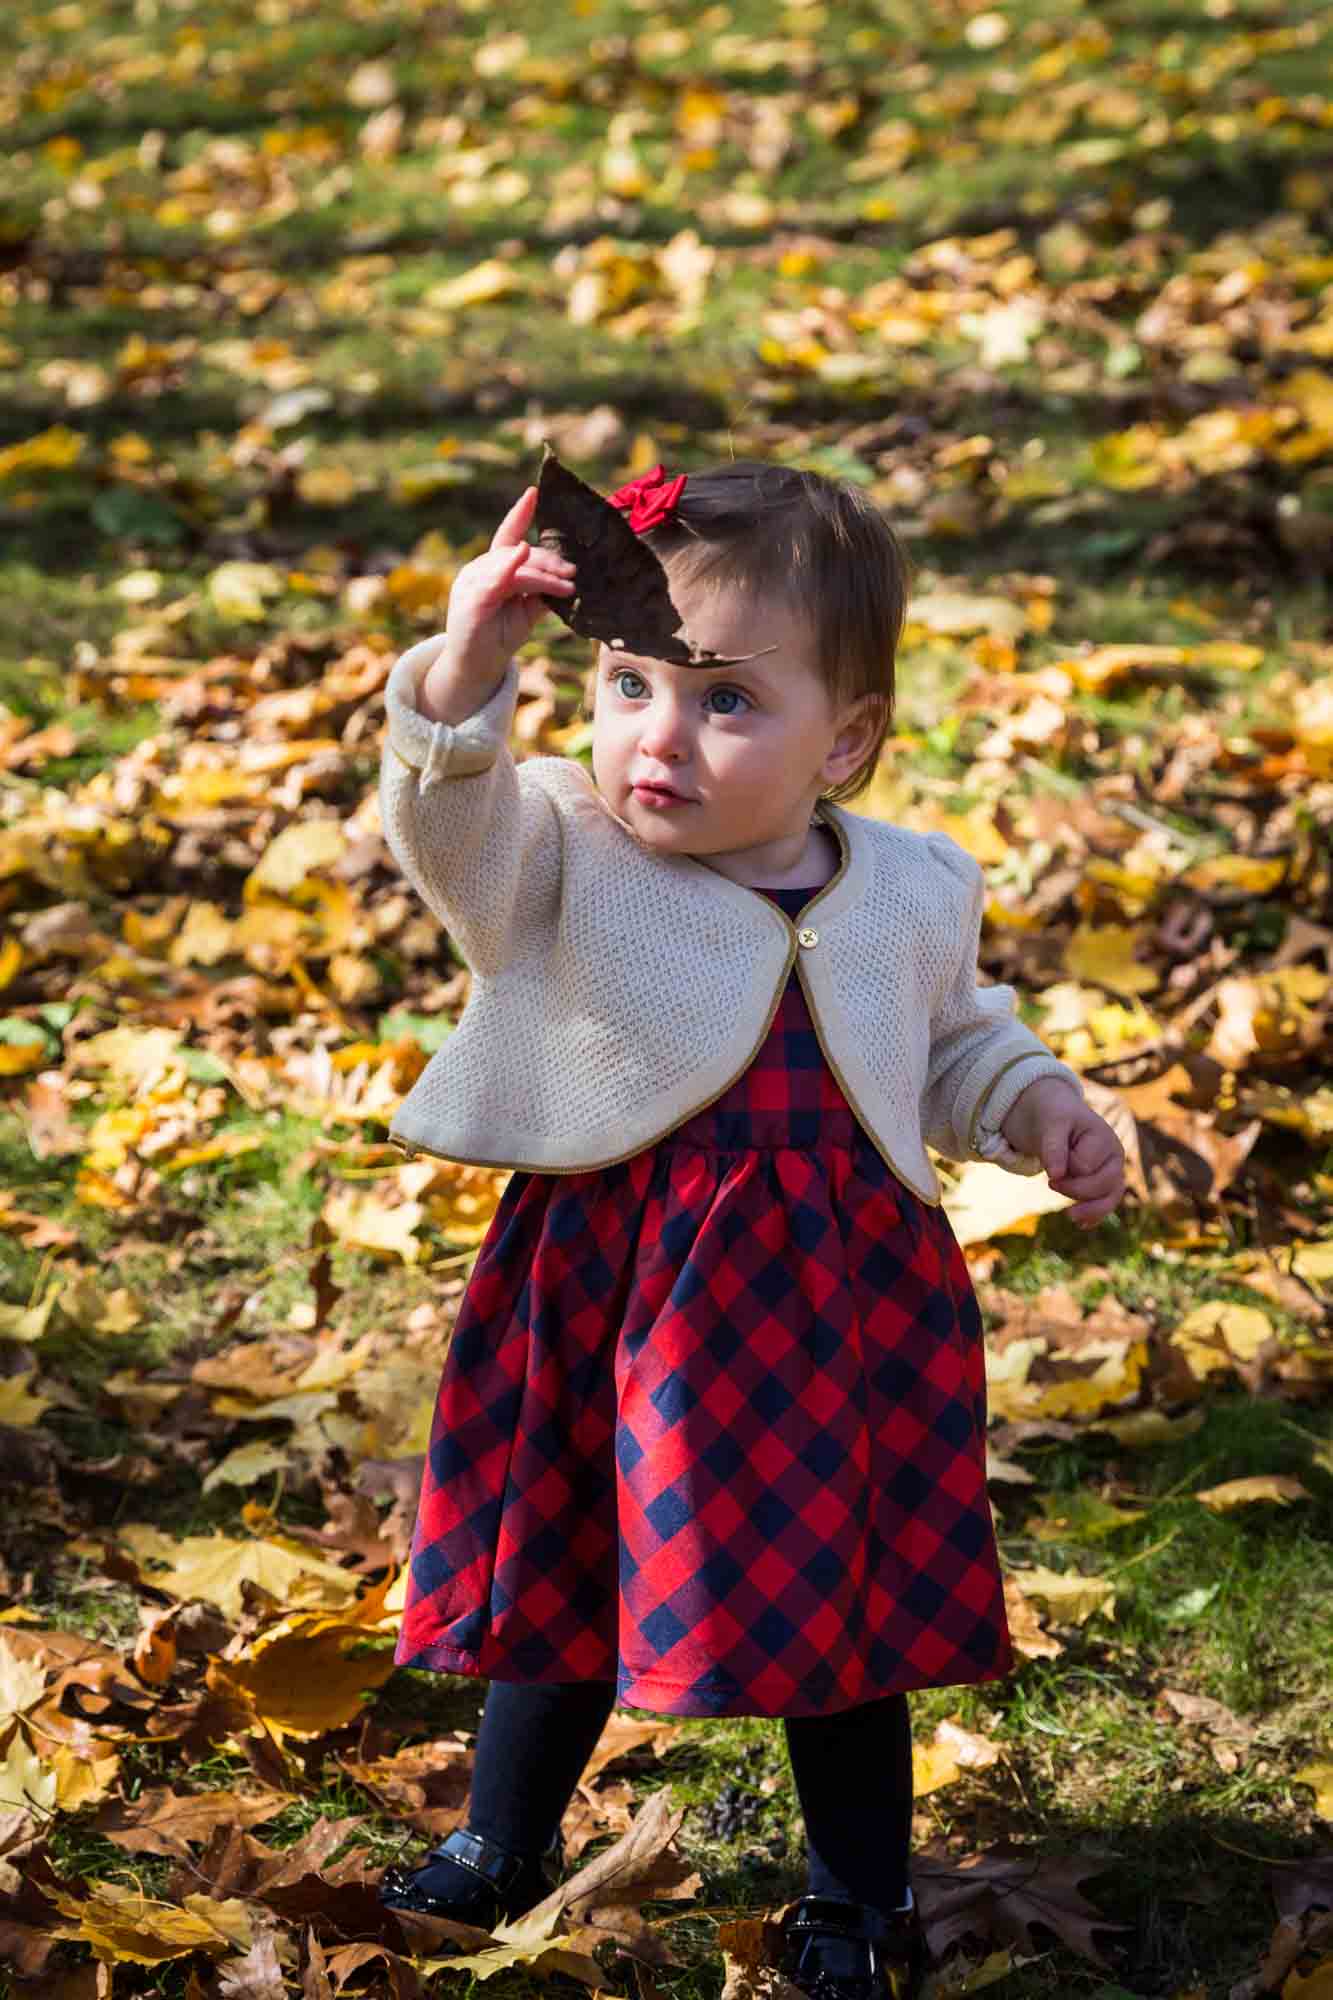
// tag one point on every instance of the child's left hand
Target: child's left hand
(1081, 1154)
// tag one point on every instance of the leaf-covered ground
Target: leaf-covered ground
(290, 297)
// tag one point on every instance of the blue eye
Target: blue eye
(736, 691)
(628, 673)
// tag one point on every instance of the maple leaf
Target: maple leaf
(166, 1822)
(1003, 1893)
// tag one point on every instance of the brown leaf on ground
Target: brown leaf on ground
(603, 1899)
(1025, 1628)
(255, 1975)
(595, 1811)
(344, 1963)
(751, 1950)
(623, 1735)
(1002, 1893)
(167, 1822)
(426, 1785)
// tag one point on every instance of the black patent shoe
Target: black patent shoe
(500, 1885)
(838, 1950)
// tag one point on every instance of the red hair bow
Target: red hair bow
(650, 499)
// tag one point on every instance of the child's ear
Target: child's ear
(860, 725)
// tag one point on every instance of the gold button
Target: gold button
(807, 936)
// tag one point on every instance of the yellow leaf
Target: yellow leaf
(1253, 875)
(1071, 1598)
(83, 1781)
(21, 1682)
(1105, 666)
(484, 282)
(1316, 1985)
(1231, 655)
(25, 1781)
(987, 1201)
(1213, 1336)
(53, 449)
(248, 1464)
(1320, 1779)
(951, 1751)
(1103, 955)
(294, 855)
(300, 1679)
(121, 1923)
(17, 1406)
(1275, 1486)
(215, 1567)
(1144, 1427)
(238, 590)
(370, 1224)
(1314, 1261)
(27, 1323)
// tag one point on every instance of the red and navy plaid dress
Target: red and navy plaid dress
(712, 1422)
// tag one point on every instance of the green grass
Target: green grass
(178, 118)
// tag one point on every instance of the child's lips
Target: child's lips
(660, 795)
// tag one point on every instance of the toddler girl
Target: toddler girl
(710, 1437)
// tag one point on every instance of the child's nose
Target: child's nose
(665, 729)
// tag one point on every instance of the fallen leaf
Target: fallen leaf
(1275, 1486)
(1320, 1779)
(950, 1751)
(122, 1923)
(1001, 1893)
(167, 1822)
(1069, 1597)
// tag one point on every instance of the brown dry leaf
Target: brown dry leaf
(1275, 1486)
(1204, 1713)
(625, 1734)
(603, 1898)
(167, 1822)
(751, 1950)
(1030, 1642)
(257, 1975)
(621, 594)
(1001, 1893)
(950, 1751)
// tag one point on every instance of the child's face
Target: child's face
(748, 748)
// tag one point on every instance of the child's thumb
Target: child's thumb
(1055, 1152)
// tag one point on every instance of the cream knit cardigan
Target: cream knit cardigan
(616, 991)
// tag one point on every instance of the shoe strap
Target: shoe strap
(844, 1919)
(473, 1851)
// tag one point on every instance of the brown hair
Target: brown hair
(774, 530)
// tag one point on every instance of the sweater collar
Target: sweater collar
(841, 892)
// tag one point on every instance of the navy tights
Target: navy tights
(853, 1774)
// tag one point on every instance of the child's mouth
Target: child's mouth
(658, 795)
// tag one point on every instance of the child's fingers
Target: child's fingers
(514, 527)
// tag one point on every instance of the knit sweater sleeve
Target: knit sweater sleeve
(982, 1058)
(474, 833)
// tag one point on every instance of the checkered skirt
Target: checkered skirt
(712, 1423)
